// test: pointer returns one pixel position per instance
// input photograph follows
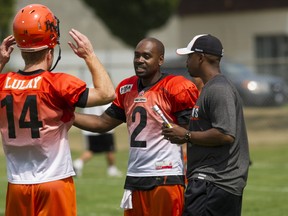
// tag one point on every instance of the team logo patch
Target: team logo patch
(126, 88)
(163, 165)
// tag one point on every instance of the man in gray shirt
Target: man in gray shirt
(217, 150)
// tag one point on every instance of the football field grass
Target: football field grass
(266, 193)
(99, 195)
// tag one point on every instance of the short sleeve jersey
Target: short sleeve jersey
(219, 106)
(37, 110)
(150, 154)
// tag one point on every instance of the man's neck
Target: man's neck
(31, 68)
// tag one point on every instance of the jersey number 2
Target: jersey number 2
(139, 128)
(30, 106)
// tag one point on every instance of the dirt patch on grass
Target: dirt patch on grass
(267, 126)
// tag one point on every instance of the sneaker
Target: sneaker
(114, 172)
(78, 166)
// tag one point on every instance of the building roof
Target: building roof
(190, 7)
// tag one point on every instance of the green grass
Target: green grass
(97, 193)
(267, 189)
(266, 193)
(100, 195)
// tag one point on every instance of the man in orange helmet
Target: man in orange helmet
(37, 110)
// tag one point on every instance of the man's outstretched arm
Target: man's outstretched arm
(95, 123)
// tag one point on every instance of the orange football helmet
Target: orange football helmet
(36, 28)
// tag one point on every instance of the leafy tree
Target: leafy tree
(6, 13)
(130, 20)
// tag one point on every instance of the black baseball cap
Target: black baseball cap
(204, 43)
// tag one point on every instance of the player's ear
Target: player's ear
(51, 52)
(161, 60)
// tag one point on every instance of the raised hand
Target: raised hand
(6, 48)
(83, 47)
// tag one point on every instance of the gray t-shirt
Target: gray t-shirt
(220, 106)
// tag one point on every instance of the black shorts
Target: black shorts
(100, 143)
(202, 198)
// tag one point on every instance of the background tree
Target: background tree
(6, 13)
(131, 20)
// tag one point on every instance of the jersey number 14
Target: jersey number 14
(29, 107)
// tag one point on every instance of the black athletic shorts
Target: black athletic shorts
(202, 198)
(100, 143)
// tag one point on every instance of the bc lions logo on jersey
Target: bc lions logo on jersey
(126, 88)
